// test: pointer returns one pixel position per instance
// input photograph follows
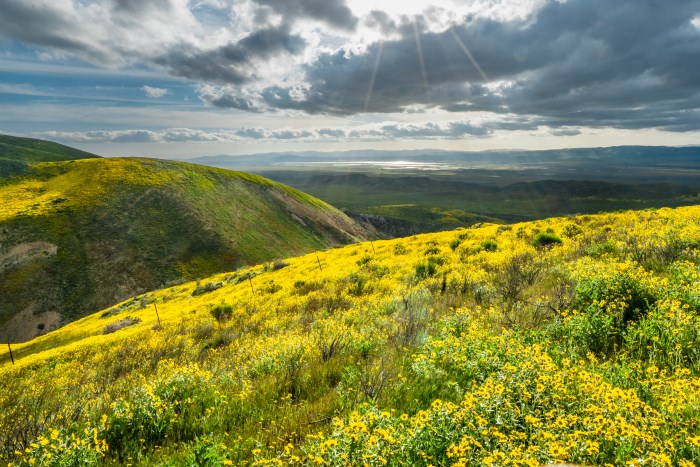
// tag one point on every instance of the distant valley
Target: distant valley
(403, 192)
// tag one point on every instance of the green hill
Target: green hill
(569, 340)
(79, 235)
(37, 150)
(18, 154)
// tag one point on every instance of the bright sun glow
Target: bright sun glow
(396, 7)
(499, 9)
(696, 22)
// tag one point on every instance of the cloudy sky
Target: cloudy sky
(178, 78)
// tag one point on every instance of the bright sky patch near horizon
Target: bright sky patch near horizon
(187, 78)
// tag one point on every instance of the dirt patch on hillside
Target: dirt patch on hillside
(25, 252)
(26, 325)
(347, 230)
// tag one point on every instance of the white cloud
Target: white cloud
(696, 22)
(154, 92)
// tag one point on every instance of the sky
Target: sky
(188, 78)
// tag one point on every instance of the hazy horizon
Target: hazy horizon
(178, 78)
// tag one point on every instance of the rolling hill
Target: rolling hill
(79, 235)
(563, 340)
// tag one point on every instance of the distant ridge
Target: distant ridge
(35, 150)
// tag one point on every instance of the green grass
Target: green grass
(34, 150)
(125, 226)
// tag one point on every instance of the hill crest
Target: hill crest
(79, 235)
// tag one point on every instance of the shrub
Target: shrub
(545, 239)
(489, 245)
(222, 313)
(601, 249)
(279, 264)
(427, 269)
(132, 426)
(513, 277)
(206, 288)
(121, 324)
(620, 294)
(205, 453)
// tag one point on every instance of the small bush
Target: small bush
(572, 230)
(121, 324)
(489, 245)
(620, 293)
(270, 287)
(205, 453)
(432, 250)
(600, 249)
(427, 269)
(222, 313)
(399, 249)
(545, 240)
(206, 288)
(279, 264)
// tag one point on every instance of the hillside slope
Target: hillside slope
(18, 154)
(80, 235)
(33, 151)
(566, 340)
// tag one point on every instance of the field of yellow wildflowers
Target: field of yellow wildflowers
(563, 340)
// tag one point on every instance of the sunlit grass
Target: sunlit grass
(477, 346)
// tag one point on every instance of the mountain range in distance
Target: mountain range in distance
(647, 156)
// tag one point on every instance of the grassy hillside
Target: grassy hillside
(562, 340)
(18, 154)
(80, 235)
(37, 150)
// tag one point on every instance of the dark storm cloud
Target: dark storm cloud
(333, 12)
(626, 64)
(231, 63)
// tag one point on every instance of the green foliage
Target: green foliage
(489, 245)
(222, 313)
(600, 249)
(545, 239)
(206, 288)
(622, 295)
(399, 249)
(178, 409)
(427, 268)
(205, 453)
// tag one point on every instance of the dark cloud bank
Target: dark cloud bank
(594, 63)
(579, 63)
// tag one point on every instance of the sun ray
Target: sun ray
(374, 75)
(469, 56)
(420, 52)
